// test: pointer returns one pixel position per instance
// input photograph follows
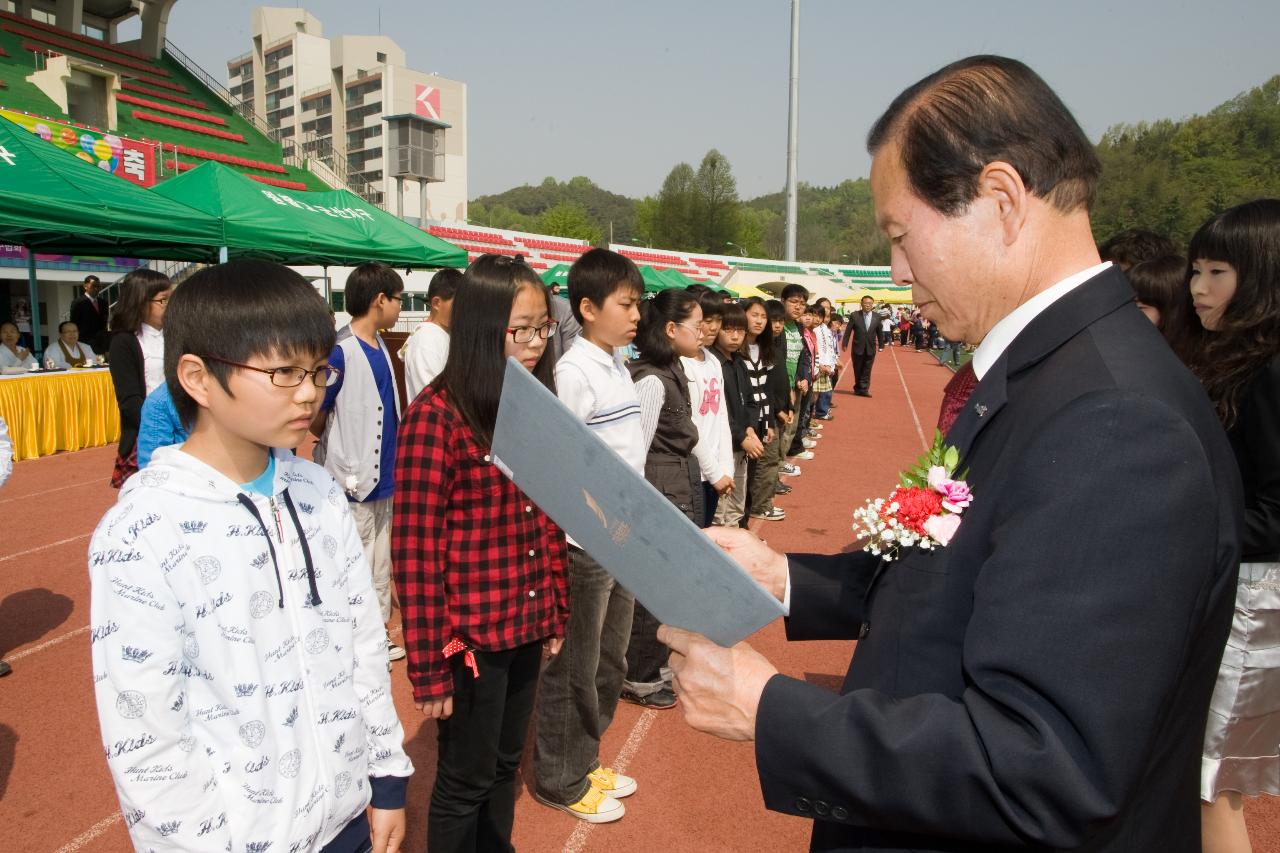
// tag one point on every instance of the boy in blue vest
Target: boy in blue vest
(360, 416)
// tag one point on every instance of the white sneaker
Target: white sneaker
(789, 469)
(394, 652)
(809, 443)
(808, 454)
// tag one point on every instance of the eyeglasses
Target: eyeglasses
(161, 300)
(289, 377)
(524, 334)
(697, 330)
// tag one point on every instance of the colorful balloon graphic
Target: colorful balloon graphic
(86, 142)
(68, 136)
(43, 131)
(102, 150)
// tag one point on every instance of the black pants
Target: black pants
(803, 412)
(681, 481)
(474, 800)
(862, 364)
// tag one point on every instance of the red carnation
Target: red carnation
(915, 507)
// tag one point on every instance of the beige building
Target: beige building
(350, 101)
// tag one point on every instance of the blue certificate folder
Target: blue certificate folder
(612, 512)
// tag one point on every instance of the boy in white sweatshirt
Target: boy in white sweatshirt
(239, 654)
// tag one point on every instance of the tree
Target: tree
(716, 207)
(677, 206)
(568, 219)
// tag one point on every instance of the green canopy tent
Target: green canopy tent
(559, 274)
(336, 228)
(654, 281)
(51, 201)
(676, 278)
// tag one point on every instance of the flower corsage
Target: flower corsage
(923, 512)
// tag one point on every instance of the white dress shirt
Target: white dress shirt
(151, 340)
(1003, 333)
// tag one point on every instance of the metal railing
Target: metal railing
(242, 107)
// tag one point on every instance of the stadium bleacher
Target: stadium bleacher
(158, 102)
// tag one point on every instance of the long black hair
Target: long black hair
(1162, 283)
(1248, 238)
(765, 339)
(668, 306)
(136, 290)
(472, 376)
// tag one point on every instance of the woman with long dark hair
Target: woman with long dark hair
(137, 356)
(768, 378)
(1234, 278)
(481, 572)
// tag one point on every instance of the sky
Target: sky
(622, 91)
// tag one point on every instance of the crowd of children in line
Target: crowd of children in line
(241, 595)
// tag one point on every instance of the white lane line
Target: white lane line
(44, 547)
(577, 841)
(61, 638)
(47, 491)
(914, 415)
(91, 833)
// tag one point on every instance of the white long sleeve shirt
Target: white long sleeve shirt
(714, 450)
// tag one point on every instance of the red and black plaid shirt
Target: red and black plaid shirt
(474, 558)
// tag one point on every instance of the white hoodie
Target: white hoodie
(235, 713)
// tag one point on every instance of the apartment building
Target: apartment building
(352, 102)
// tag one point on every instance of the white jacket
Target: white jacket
(236, 713)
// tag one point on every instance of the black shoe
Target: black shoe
(660, 701)
(5, 669)
(862, 393)
(782, 489)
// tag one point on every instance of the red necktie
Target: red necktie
(955, 395)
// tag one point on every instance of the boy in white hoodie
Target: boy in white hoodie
(239, 654)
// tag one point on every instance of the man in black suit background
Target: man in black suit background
(861, 339)
(89, 313)
(1042, 681)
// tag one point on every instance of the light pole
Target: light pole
(741, 251)
(793, 131)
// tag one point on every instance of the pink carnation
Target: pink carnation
(941, 528)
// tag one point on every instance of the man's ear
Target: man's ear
(194, 377)
(1000, 183)
(588, 309)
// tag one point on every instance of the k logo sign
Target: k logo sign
(427, 101)
(7, 158)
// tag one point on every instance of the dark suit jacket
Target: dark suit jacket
(1043, 681)
(89, 320)
(859, 339)
(129, 379)
(1255, 438)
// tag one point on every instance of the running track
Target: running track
(696, 793)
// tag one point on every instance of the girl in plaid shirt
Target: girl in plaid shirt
(480, 571)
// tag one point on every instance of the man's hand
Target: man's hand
(769, 436)
(387, 829)
(551, 645)
(723, 486)
(802, 385)
(440, 709)
(751, 445)
(719, 688)
(767, 566)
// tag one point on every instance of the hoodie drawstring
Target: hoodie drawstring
(248, 504)
(306, 549)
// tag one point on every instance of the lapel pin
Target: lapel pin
(980, 409)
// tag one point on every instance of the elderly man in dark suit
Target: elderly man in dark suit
(1042, 681)
(861, 338)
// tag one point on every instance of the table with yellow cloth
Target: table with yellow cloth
(67, 410)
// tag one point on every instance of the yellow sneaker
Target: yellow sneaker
(595, 806)
(611, 782)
